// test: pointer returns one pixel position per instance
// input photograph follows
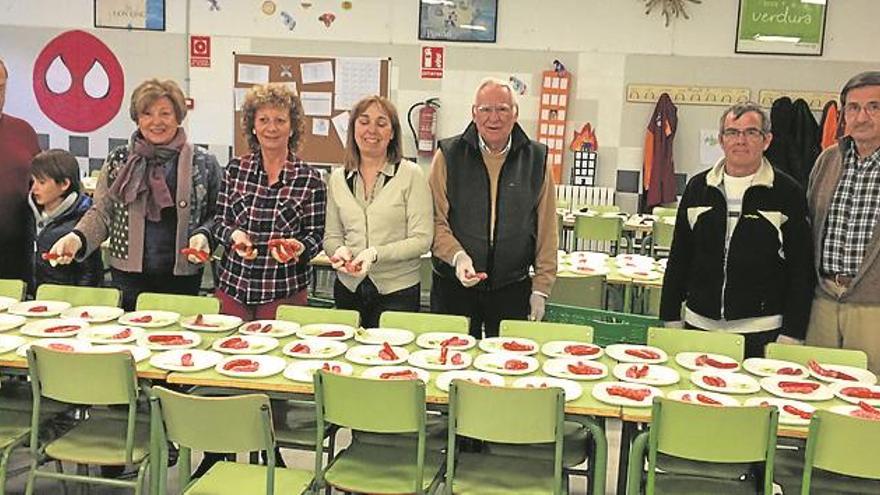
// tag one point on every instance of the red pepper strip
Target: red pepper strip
(61, 329)
(637, 372)
(60, 347)
(443, 352)
(387, 353)
(242, 365)
(512, 345)
(454, 342)
(705, 360)
(142, 319)
(168, 339)
(797, 412)
(200, 322)
(186, 359)
(580, 350)
(47, 256)
(642, 353)
(332, 333)
(583, 369)
(798, 387)
(515, 365)
(788, 370)
(636, 394)
(124, 334)
(38, 309)
(860, 392)
(301, 349)
(714, 381)
(399, 375)
(332, 369)
(457, 360)
(235, 343)
(705, 399)
(839, 375)
(202, 256)
(864, 406)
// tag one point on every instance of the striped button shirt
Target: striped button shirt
(293, 207)
(852, 215)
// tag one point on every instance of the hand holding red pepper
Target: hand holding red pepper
(64, 249)
(286, 250)
(340, 258)
(242, 245)
(199, 249)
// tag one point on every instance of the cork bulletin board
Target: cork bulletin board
(327, 86)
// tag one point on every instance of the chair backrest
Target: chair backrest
(306, 315)
(802, 353)
(80, 296)
(83, 378)
(597, 228)
(10, 287)
(662, 232)
(843, 445)
(543, 331)
(424, 322)
(664, 211)
(580, 291)
(609, 327)
(692, 431)
(380, 406)
(185, 305)
(675, 340)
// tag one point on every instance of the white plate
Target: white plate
(315, 348)
(594, 257)
(93, 314)
(150, 319)
(600, 393)
(151, 340)
(771, 384)
(271, 328)
(50, 327)
(633, 261)
(8, 321)
(6, 302)
(210, 323)
(67, 345)
(565, 368)
(39, 308)
(110, 334)
(369, 355)
(735, 383)
(138, 353)
(572, 389)
(785, 417)
(640, 273)
(266, 366)
(172, 360)
(10, 343)
(393, 373)
(692, 396)
(378, 336)
(332, 331)
(587, 269)
(302, 371)
(571, 349)
(851, 411)
(772, 367)
(860, 375)
(515, 345)
(245, 344)
(694, 361)
(434, 340)
(618, 352)
(838, 388)
(498, 362)
(658, 375)
(479, 377)
(429, 359)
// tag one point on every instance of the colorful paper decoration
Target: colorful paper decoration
(555, 86)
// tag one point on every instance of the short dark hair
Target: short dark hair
(867, 78)
(739, 109)
(57, 165)
(394, 152)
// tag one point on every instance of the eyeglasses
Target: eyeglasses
(749, 133)
(503, 110)
(872, 108)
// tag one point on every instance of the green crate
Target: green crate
(609, 327)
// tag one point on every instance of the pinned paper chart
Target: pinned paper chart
(551, 120)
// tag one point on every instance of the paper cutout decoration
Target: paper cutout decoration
(288, 20)
(213, 5)
(286, 71)
(583, 170)
(555, 86)
(327, 18)
(268, 7)
(584, 139)
(518, 85)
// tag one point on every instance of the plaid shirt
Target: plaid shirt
(293, 207)
(852, 215)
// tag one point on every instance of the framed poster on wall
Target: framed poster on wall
(463, 20)
(146, 15)
(785, 27)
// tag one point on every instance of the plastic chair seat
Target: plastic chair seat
(379, 468)
(574, 449)
(100, 440)
(234, 479)
(717, 470)
(13, 424)
(482, 474)
(789, 469)
(435, 435)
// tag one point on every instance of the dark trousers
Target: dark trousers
(754, 342)
(485, 309)
(367, 301)
(131, 285)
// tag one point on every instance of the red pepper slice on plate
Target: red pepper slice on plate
(186, 359)
(47, 256)
(636, 394)
(790, 409)
(332, 369)
(38, 309)
(866, 411)
(860, 392)
(637, 372)
(454, 341)
(85, 315)
(235, 343)
(705, 399)
(443, 352)
(514, 346)
(200, 322)
(583, 369)
(642, 353)
(55, 346)
(798, 387)
(301, 349)
(580, 350)
(123, 334)
(457, 359)
(399, 375)
(789, 371)
(163, 339)
(61, 329)
(242, 365)
(829, 373)
(706, 360)
(332, 333)
(142, 319)
(715, 381)
(387, 353)
(515, 365)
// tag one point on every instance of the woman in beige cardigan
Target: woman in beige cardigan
(379, 217)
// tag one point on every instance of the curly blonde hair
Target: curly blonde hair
(276, 95)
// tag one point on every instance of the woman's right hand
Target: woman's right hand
(65, 249)
(242, 245)
(340, 258)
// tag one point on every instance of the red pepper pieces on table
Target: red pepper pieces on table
(642, 353)
(706, 360)
(714, 381)
(839, 375)
(387, 353)
(637, 372)
(581, 368)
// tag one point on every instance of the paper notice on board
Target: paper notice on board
(238, 96)
(316, 103)
(253, 74)
(710, 148)
(316, 72)
(321, 127)
(340, 123)
(355, 78)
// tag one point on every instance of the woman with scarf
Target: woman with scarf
(154, 201)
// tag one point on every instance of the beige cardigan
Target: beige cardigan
(398, 223)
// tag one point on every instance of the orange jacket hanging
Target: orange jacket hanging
(658, 169)
(830, 124)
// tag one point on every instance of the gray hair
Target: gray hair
(868, 78)
(740, 109)
(494, 81)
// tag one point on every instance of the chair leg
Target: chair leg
(32, 475)
(60, 468)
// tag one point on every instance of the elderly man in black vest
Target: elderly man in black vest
(494, 218)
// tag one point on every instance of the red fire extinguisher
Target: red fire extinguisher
(425, 138)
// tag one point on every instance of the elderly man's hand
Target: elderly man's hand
(537, 306)
(464, 270)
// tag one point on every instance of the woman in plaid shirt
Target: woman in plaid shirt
(271, 210)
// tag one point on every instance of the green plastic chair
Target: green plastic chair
(107, 437)
(675, 340)
(664, 211)
(185, 305)
(305, 315)
(709, 435)
(419, 323)
(376, 406)
(15, 428)
(842, 445)
(582, 292)
(662, 233)
(609, 327)
(802, 353)
(599, 229)
(544, 331)
(599, 208)
(80, 296)
(504, 415)
(12, 288)
(220, 424)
